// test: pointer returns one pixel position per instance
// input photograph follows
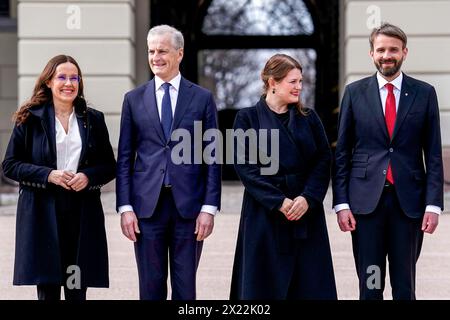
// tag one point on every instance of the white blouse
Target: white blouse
(68, 145)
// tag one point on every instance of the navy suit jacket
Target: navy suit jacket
(144, 155)
(364, 148)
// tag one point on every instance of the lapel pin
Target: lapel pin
(406, 93)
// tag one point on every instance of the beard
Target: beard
(388, 72)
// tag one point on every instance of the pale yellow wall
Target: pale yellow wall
(102, 40)
(109, 45)
(8, 85)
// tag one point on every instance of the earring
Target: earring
(273, 90)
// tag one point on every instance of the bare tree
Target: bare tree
(257, 17)
(234, 75)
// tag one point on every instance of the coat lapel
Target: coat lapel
(374, 104)
(84, 128)
(152, 109)
(407, 95)
(286, 142)
(46, 114)
(185, 95)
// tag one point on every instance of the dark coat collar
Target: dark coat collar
(47, 109)
(267, 120)
(46, 114)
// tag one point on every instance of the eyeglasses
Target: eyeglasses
(72, 79)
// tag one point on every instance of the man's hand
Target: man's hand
(78, 182)
(204, 225)
(129, 225)
(430, 222)
(298, 208)
(346, 220)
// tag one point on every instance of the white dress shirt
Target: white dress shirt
(68, 145)
(159, 92)
(397, 83)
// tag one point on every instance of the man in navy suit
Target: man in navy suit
(167, 209)
(388, 174)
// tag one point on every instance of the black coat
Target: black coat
(29, 159)
(271, 250)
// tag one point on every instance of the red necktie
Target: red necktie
(390, 114)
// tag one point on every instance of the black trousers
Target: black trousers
(68, 215)
(387, 232)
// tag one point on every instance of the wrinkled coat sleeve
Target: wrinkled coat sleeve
(16, 165)
(433, 154)
(259, 186)
(316, 185)
(343, 153)
(213, 170)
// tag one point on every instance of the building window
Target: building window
(4, 8)
(258, 17)
(8, 15)
(234, 75)
(241, 35)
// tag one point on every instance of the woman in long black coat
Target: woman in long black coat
(283, 250)
(60, 154)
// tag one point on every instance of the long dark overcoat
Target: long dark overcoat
(30, 156)
(271, 250)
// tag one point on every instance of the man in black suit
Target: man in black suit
(388, 173)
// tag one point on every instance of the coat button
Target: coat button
(162, 171)
(86, 162)
(90, 145)
(391, 149)
(384, 172)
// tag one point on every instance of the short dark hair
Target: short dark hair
(389, 30)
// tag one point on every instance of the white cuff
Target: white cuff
(209, 209)
(125, 208)
(434, 209)
(341, 206)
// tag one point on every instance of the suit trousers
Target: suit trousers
(167, 236)
(387, 231)
(68, 215)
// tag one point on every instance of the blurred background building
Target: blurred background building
(227, 43)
